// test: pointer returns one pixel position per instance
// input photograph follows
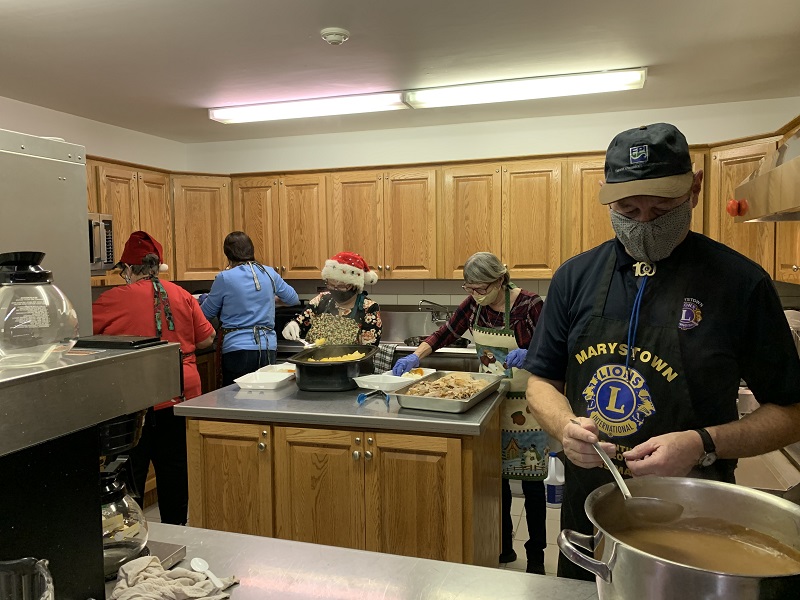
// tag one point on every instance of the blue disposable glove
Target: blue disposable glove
(405, 364)
(516, 358)
(202, 298)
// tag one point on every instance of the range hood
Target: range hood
(773, 190)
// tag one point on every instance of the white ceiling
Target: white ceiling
(155, 66)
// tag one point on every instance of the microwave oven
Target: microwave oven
(101, 243)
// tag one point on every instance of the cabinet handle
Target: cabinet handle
(380, 268)
(388, 268)
(283, 268)
(357, 441)
(368, 455)
(261, 446)
(356, 455)
(370, 441)
(264, 433)
(795, 268)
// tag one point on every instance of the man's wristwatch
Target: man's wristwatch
(709, 449)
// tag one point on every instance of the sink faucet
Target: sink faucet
(436, 311)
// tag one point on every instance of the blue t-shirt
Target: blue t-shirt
(236, 301)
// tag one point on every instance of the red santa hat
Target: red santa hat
(139, 245)
(349, 267)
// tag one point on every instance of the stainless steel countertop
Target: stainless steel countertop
(47, 401)
(271, 568)
(287, 346)
(335, 409)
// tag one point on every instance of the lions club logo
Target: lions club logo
(691, 315)
(618, 400)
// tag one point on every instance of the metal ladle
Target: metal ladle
(652, 510)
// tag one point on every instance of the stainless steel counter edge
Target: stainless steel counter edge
(333, 409)
(287, 346)
(270, 568)
(43, 403)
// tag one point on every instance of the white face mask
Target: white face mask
(487, 298)
(651, 241)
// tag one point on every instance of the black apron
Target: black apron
(628, 407)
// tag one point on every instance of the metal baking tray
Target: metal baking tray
(447, 404)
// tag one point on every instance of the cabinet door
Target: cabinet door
(586, 221)
(698, 214)
(787, 252)
(118, 195)
(202, 220)
(155, 214)
(355, 216)
(255, 211)
(92, 201)
(729, 168)
(230, 478)
(303, 226)
(319, 486)
(410, 228)
(414, 497)
(207, 368)
(470, 215)
(532, 218)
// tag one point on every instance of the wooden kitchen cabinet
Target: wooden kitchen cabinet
(207, 368)
(787, 252)
(728, 168)
(255, 211)
(118, 196)
(586, 221)
(202, 220)
(531, 218)
(470, 219)
(393, 493)
(92, 202)
(389, 217)
(303, 225)
(230, 476)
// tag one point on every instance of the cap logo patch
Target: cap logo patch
(639, 154)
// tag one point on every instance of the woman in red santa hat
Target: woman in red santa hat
(147, 306)
(343, 314)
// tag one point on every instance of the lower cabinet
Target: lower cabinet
(207, 368)
(409, 494)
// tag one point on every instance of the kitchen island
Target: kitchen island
(317, 467)
(279, 569)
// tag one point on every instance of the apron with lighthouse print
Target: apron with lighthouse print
(629, 405)
(525, 445)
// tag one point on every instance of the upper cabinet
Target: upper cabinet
(586, 221)
(387, 217)
(137, 200)
(303, 225)
(255, 211)
(202, 220)
(728, 168)
(470, 219)
(531, 218)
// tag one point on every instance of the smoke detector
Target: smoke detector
(335, 36)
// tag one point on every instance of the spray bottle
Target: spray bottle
(554, 482)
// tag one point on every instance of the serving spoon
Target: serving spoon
(652, 510)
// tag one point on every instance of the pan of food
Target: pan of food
(332, 368)
(448, 391)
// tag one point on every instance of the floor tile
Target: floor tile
(553, 529)
(522, 561)
(551, 559)
(554, 514)
(517, 506)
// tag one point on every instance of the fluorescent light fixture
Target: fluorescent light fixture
(318, 107)
(528, 89)
(457, 95)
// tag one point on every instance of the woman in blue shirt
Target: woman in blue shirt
(243, 297)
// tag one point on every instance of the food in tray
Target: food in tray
(455, 386)
(344, 357)
(414, 373)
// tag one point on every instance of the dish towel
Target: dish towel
(145, 579)
(384, 357)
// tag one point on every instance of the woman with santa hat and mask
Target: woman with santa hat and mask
(343, 314)
(147, 306)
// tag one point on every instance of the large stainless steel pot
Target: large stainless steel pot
(626, 573)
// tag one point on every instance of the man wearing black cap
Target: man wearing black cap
(646, 337)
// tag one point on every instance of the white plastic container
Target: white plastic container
(554, 482)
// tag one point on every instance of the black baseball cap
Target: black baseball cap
(651, 160)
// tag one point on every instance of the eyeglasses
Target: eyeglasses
(337, 288)
(476, 290)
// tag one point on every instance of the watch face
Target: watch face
(708, 459)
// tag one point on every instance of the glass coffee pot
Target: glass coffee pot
(124, 525)
(25, 579)
(37, 321)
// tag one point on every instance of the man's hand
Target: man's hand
(577, 441)
(668, 455)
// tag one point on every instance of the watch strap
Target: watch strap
(708, 441)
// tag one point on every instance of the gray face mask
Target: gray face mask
(654, 240)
